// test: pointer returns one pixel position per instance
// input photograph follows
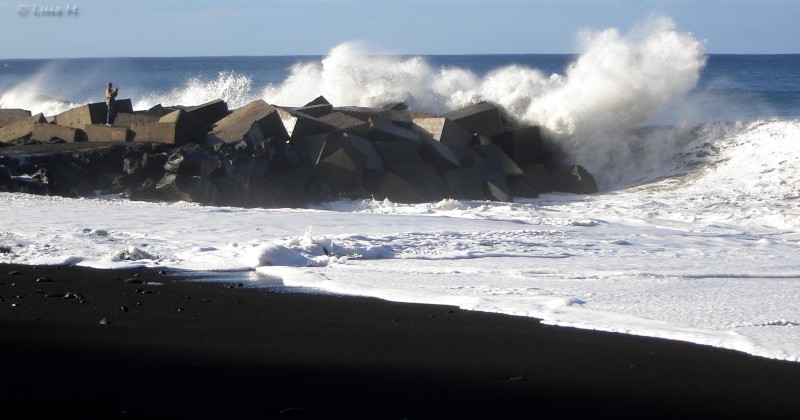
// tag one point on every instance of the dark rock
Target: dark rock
(193, 163)
(497, 154)
(255, 122)
(210, 112)
(104, 321)
(380, 131)
(44, 280)
(523, 144)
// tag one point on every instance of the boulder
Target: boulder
(21, 129)
(179, 187)
(49, 132)
(101, 132)
(574, 179)
(193, 163)
(254, 122)
(94, 113)
(8, 116)
(209, 112)
(482, 118)
(523, 144)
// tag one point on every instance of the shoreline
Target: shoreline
(146, 344)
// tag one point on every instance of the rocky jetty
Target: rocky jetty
(263, 155)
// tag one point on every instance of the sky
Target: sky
(150, 28)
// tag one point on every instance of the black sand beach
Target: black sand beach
(83, 343)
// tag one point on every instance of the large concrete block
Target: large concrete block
(48, 132)
(94, 113)
(178, 127)
(21, 129)
(484, 181)
(523, 144)
(319, 100)
(125, 119)
(400, 118)
(537, 177)
(360, 112)
(310, 147)
(496, 153)
(8, 116)
(305, 125)
(209, 112)
(403, 159)
(256, 121)
(316, 110)
(574, 179)
(435, 152)
(387, 185)
(347, 123)
(444, 130)
(483, 118)
(341, 173)
(101, 132)
(361, 150)
(380, 131)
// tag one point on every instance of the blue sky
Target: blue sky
(105, 28)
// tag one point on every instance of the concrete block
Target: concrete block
(396, 106)
(575, 179)
(94, 113)
(48, 132)
(101, 132)
(523, 144)
(8, 116)
(347, 123)
(537, 177)
(380, 131)
(483, 118)
(256, 121)
(387, 185)
(496, 153)
(519, 188)
(209, 112)
(319, 100)
(316, 110)
(435, 152)
(444, 130)
(306, 125)
(484, 181)
(341, 173)
(21, 129)
(403, 159)
(178, 127)
(310, 147)
(360, 112)
(397, 117)
(125, 119)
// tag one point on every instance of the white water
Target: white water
(710, 255)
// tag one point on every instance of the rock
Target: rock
(44, 280)
(319, 100)
(104, 321)
(537, 177)
(305, 125)
(341, 173)
(21, 129)
(361, 150)
(483, 118)
(196, 189)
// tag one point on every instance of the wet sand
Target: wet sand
(83, 343)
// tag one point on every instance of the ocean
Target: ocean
(695, 235)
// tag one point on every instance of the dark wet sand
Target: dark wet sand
(213, 350)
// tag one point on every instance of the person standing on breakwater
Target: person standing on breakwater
(111, 99)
